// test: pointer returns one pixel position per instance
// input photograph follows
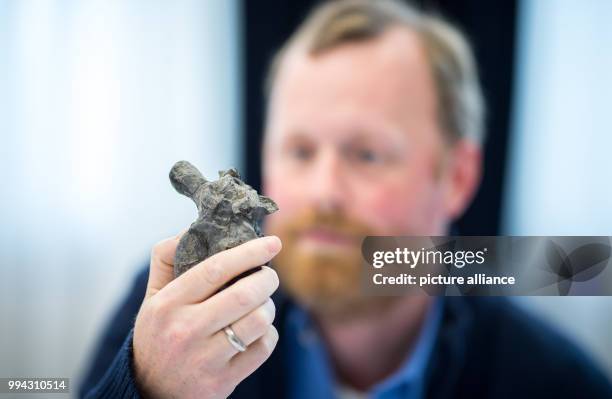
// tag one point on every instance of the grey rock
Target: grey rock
(229, 214)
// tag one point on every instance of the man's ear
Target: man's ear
(463, 174)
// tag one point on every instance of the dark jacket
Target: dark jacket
(486, 348)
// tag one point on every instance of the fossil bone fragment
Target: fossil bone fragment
(229, 214)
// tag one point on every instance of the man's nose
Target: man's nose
(328, 187)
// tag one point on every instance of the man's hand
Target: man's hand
(180, 348)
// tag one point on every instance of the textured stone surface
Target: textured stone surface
(229, 213)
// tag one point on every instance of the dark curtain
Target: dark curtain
(490, 26)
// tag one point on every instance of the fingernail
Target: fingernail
(274, 244)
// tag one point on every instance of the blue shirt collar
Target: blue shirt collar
(310, 374)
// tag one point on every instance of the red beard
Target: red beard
(325, 281)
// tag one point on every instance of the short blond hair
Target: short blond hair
(460, 101)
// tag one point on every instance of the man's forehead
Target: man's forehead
(386, 78)
(395, 56)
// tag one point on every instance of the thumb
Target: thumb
(161, 269)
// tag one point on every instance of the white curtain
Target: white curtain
(560, 168)
(98, 98)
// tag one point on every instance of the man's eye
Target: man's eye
(302, 153)
(366, 155)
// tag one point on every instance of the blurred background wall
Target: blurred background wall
(98, 98)
(560, 171)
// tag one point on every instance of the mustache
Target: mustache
(335, 222)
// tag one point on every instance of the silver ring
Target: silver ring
(234, 340)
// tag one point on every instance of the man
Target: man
(373, 128)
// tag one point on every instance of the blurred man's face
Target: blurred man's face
(352, 148)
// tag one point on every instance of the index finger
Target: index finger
(161, 265)
(207, 277)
